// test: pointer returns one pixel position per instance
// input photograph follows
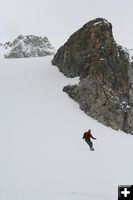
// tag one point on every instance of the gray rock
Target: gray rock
(104, 91)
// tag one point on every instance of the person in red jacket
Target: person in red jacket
(87, 137)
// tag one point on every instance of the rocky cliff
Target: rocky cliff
(106, 84)
(28, 46)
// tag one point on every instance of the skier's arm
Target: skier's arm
(92, 137)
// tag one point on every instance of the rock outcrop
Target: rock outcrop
(29, 46)
(106, 84)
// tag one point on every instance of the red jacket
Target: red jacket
(87, 135)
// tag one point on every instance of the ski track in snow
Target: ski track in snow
(42, 153)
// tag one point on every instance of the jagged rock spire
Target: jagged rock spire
(103, 66)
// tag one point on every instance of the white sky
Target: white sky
(58, 19)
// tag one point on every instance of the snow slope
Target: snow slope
(42, 153)
(4, 49)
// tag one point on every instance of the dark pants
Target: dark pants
(89, 142)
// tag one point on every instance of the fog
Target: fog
(58, 19)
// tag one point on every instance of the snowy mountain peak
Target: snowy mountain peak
(27, 46)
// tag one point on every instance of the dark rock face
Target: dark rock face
(104, 91)
(30, 46)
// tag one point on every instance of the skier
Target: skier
(87, 135)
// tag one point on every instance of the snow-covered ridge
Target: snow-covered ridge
(4, 49)
(27, 46)
(130, 52)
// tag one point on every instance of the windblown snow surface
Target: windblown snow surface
(42, 153)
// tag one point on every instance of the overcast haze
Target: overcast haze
(58, 19)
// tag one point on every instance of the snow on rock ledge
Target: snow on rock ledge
(130, 51)
(29, 46)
